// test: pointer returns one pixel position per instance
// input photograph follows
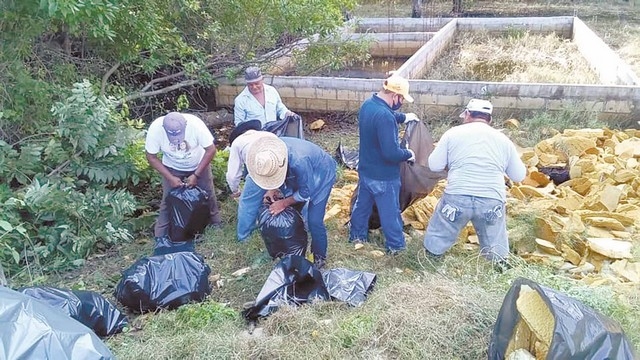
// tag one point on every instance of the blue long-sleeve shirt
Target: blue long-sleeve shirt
(311, 171)
(380, 153)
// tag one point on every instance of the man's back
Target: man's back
(477, 157)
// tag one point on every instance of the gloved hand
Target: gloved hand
(410, 117)
(413, 156)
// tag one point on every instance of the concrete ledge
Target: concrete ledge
(561, 25)
(377, 25)
(417, 64)
(604, 61)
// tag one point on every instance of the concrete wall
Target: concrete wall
(394, 44)
(604, 61)
(374, 25)
(346, 94)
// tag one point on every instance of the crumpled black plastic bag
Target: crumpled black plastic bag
(188, 212)
(32, 329)
(349, 286)
(294, 281)
(284, 233)
(164, 281)
(88, 307)
(348, 158)
(557, 174)
(580, 333)
(290, 126)
(164, 245)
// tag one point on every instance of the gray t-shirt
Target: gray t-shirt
(477, 157)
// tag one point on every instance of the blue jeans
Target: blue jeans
(248, 207)
(453, 212)
(386, 196)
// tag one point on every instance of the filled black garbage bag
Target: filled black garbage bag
(348, 158)
(164, 281)
(188, 212)
(349, 286)
(32, 329)
(290, 126)
(551, 325)
(284, 233)
(416, 179)
(164, 245)
(88, 307)
(294, 281)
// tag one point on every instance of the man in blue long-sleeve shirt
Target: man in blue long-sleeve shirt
(305, 172)
(380, 156)
(477, 158)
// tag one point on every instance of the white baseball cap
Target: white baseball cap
(483, 106)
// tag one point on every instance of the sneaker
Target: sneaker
(394, 252)
(357, 241)
(319, 262)
(502, 266)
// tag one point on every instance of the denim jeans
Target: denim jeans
(386, 196)
(248, 207)
(205, 182)
(455, 211)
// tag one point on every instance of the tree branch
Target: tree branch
(106, 77)
(165, 90)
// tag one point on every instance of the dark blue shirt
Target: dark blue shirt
(380, 153)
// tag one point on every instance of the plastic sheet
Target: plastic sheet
(164, 281)
(284, 233)
(294, 281)
(32, 329)
(88, 307)
(349, 286)
(348, 158)
(290, 126)
(188, 212)
(557, 174)
(580, 333)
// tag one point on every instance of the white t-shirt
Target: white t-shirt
(477, 157)
(185, 156)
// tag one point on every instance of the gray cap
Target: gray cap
(252, 74)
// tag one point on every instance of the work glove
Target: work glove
(408, 117)
(412, 159)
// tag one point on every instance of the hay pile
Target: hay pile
(586, 226)
(516, 56)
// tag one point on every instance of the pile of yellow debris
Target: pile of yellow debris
(585, 225)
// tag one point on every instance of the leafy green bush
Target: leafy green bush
(219, 170)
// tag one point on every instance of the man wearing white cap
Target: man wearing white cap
(187, 149)
(304, 172)
(380, 156)
(477, 158)
(258, 101)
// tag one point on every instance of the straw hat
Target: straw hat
(267, 162)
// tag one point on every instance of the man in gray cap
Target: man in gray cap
(258, 101)
(187, 149)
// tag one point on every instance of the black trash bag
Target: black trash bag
(416, 179)
(294, 281)
(579, 333)
(164, 245)
(188, 212)
(88, 307)
(32, 329)
(557, 174)
(284, 233)
(349, 286)
(164, 281)
(291, 126)
(348, 158)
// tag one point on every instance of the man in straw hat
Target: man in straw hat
(258, 101)
(304, 172)
(380, 156)
(477, 157)
(187, 149)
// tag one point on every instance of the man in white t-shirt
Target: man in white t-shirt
(477, 158)
(187, 149)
